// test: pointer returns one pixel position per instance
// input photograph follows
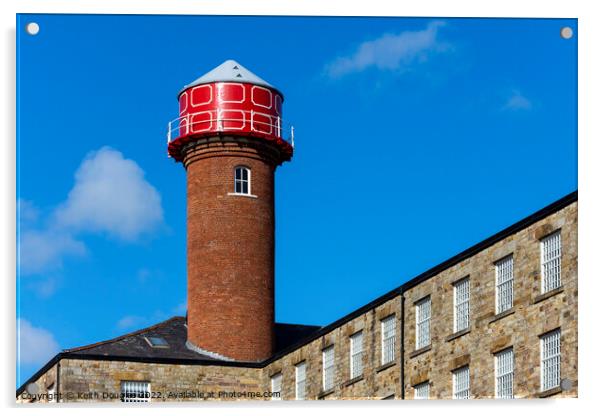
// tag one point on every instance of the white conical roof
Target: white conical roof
(230, 71)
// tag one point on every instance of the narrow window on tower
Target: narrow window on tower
(300, 381)
(550, 360)
(423, 323)
(461, 304)
(551, 249)
(504, 281)
(387, 331)
(242, 180)
(355, 355)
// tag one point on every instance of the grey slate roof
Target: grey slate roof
(174, 331)
(230, 71)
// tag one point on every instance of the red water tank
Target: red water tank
(230, 100)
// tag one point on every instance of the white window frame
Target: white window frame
(422, 391)
(140, 391)
(356, 353)
(504, 284)
(241, 180)
(550, 360)
(423, 322)
(276, 386)
(461, 383)
(462, 305)
(551, 260)
(504, 374)
(300, 378)
(387, 335)
(328, 368)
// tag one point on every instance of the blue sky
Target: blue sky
(415, 139)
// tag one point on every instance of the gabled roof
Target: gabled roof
(229, 71)
(136, 344)
(174, 332)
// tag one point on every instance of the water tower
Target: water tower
(230, 137)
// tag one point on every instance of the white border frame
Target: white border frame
(589, 124)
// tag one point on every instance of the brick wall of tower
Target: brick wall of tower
(230, 252)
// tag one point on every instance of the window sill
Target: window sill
(457, 334)
(550, 392)
(385, 366)
(353, 381)
(325, 393)
(501, 315)
(548, 294)
(244, 195)
(422, 350)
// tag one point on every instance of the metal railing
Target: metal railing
(248, 121)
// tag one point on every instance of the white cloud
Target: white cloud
(110, 196)
(34, 345)
(517, 101)
(40, 250)
(130, 321)
(27, 211)
(146, 319)
(390, 51)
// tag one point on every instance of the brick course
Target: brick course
(230, 250)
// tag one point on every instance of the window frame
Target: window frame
(135, 387)
(419, 388)
(277, 376)
(300, 383)
(328, 371)
(502, 372)
(423, 322)
(456, 374)
(504, 269)
(242, 181)
(546, 245)
(356, 349)
(546, 356)
(458, 305)
(387, 344)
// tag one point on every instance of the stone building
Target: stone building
(498, 320)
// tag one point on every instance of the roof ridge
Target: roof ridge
(287, 323)
(120, 337)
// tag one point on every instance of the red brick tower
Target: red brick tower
(229, 137)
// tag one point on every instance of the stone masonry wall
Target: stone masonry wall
(531, 316)
(85, 380)
(376, 382)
